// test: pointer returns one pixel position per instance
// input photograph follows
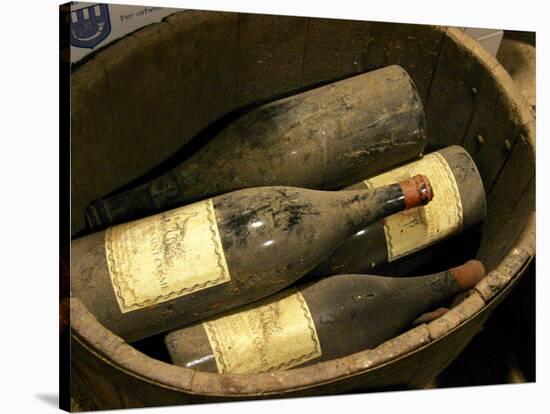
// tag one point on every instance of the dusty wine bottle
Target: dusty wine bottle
(174, 268)
(324, 138)
(459, 204)
(327, 319)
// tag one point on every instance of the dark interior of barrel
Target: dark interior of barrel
(155, 97)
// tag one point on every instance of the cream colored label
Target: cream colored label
(165, 256)
(275, 336)
(416, 228)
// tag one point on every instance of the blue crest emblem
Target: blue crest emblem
(90, 26)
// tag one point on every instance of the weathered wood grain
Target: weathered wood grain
(207, 51)
(416, 48)
(511, 186)
(92, 133)
(376, 45)
(142, 96)
(270, 53)
(455, 88)
(491, 133)
(334, 49)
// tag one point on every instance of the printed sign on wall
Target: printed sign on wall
(90, 26)
(94, 25)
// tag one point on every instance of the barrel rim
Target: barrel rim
(112, 350)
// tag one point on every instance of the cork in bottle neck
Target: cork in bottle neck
(417, 191)
(468, 274)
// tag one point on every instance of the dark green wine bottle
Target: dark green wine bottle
(329, 318)
(175, 268)
(324, 138)
(459, 204)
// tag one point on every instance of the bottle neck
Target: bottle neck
(439, 286)
(169, 189)
(362, 207)
(427, 291)
(367, 206)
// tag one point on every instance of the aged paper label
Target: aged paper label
(165, 256)
(274, 336)
(418, 227)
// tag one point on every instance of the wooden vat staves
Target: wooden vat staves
(173, 79)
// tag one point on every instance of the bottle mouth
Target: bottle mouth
(469, 274)
(424, 188)
(417, 191)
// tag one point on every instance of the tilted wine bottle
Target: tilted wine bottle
(325, 138)
(459, 204)
(329, 318)
(174, 268)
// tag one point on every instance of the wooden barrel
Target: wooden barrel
(139, 100)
